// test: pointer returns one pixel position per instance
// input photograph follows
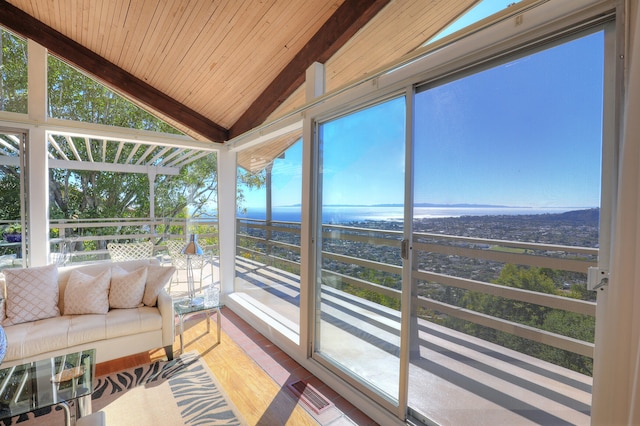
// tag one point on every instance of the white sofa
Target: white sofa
(117, 333)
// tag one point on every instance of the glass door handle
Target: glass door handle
(404, 249)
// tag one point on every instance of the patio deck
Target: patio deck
(454, 378)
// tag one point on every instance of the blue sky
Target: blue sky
(526, 133)
(481, 10)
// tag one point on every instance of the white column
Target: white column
(315, 81)
(227, 169)
(37, 81)
(38, 164)
(269, 212)
(151, 175)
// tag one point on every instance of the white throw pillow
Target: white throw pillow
(86, 294)
(157, 278)
(127, 288)
(32, 294)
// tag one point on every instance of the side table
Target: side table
(183, 309)
(48, 382)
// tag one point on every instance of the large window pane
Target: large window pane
(112, 191)
(75, 96)
(13, 73)
(506, 222)
(359, 264)
(268, 233)
(12, 219)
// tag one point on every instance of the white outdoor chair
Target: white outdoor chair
(7, 261)
(179, 261)
(62, 256)
(130, 251)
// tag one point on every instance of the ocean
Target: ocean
(349, 214)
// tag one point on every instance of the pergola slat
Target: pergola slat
(55, 145)
(159, 155)
(133, 152)
(117, 157)
(89, 153)
(193, 156)
(73, 148)
(145, 154)
(173, 154)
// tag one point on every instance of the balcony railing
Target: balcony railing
(277, 243)
(456, 373)
(86, 240)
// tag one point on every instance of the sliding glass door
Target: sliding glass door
(359, 265)
(506, 225)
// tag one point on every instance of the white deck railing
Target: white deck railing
(87, 239)
(272, 244)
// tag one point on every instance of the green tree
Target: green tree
(533, 279)
(249, 181)
(557, 321)
(574, 325)
(13, 73)
(9, 193)
(195, 187)
(92, 194)
(74, 96)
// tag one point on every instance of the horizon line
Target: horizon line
(455, 205)
(443, 205)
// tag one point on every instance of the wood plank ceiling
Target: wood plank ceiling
(215, 69)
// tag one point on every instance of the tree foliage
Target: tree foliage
(91, 194)
(565, 323)
(249, 181)
(74, 96)
(95, 194)
(9, 193)
(195, 187)
(13, 73)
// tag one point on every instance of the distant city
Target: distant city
(395, 212)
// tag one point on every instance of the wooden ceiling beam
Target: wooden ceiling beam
(115, 77)
(339, 28)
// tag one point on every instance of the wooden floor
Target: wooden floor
(260, 395)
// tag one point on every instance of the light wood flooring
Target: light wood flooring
(253, 373)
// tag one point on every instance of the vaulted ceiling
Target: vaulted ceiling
(217, 68)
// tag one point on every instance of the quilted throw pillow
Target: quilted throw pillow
(157, 278)
(86, 294)
(127, 288)
(32, 294)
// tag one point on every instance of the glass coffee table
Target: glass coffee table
(183, 308)
(54, 381)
